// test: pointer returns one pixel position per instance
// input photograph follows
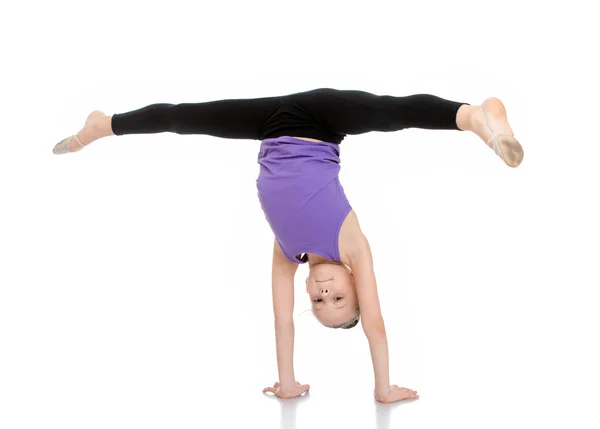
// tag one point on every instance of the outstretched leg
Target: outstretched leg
(232, 118)
(358, 112)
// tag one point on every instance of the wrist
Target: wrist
(381, 391)
(287, 383)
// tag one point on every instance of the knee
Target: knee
(174, 117)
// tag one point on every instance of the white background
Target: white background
(134, 274)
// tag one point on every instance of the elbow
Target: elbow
(374, 329)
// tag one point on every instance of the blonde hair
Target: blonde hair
(346, 325)
(349, 324)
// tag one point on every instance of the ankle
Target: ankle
(465, 117)
(102, 127)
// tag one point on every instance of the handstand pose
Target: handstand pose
(302, 198)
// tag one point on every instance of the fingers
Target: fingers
(298, 390)
(395, 387)
(302, 387)
(408, 394)
(403, 393)
(271, 389)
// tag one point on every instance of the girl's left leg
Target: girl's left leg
(358, 112)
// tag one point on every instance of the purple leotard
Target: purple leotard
(301, 196)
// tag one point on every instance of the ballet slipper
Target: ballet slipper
(63, 146)
(504, 144)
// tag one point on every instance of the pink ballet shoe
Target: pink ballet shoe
(503, 143)
(63, 146)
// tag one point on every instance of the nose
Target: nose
(324, 291)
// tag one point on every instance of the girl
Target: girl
(302, 198)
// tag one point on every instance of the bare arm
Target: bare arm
(356, 250)
(283, 306)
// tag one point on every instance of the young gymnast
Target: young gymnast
(302, 198)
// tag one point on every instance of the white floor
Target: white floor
(140, 354)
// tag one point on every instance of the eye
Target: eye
(317, 300)
(338, 298)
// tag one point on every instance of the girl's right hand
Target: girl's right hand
(287, 392)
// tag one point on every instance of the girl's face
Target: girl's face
(332, 294)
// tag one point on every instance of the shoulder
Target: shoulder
(281, 263)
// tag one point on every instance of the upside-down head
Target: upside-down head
(331, 289)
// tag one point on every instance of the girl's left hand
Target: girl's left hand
(396, 393)
(287, 392)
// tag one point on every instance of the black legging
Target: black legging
(324, 114)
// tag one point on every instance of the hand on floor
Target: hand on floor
(395, 394)
(287, 391)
